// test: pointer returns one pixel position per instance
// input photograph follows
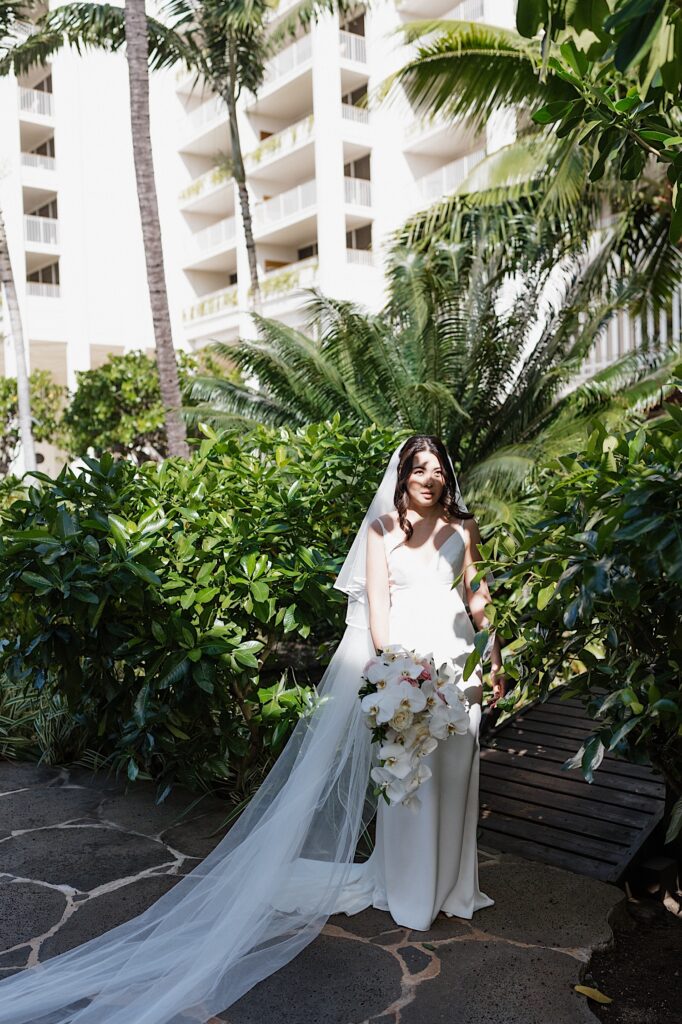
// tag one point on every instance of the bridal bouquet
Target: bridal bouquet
(410, 705)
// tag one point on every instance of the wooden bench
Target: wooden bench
(530, 806)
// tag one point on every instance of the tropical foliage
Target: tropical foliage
(461, 350)
(472, 71)
(117, 407)
(591, 595)
(623, 63)
(156, 603)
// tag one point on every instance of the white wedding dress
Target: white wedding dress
(425, 860)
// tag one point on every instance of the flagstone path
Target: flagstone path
(79, 855)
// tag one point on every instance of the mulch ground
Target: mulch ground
(642, 972)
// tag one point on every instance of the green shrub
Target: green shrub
(592, 595)
(153, 598)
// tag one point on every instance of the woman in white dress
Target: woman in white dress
(425, 861)
(268, 887)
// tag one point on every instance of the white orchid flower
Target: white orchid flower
(426, 746)
(406, 667)
(386, 702)
(395, 789)
(449, 673)
(396, 759)
(446, 720)
(377, 672)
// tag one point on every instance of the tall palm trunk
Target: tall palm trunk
(137, 49)
(230, 98)
(23, 392)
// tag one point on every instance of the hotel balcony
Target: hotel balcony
(212, 192)
(284, 282)
(35, 104)
(447, 178)
(290, 149)
(212, 305)
(41, 234)
(283, 217)
(38, 176)
(287, 87)
(441, 138)
(213, 246)
(205, 129)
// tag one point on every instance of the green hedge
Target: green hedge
(592, 595)
(152, 599)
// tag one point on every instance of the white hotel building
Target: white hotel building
(329, 182)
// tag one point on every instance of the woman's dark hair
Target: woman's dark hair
(433, 444)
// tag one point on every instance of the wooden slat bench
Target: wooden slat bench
(531, 807)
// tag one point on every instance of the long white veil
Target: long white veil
(267, 888)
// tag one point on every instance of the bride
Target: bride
(266, 890)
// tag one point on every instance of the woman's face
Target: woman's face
(426, 481)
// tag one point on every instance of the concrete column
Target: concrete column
(331, 225)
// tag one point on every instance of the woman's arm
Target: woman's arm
(377, 586)
(477, 601)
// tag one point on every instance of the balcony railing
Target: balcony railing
(301, 274)
(286, 204)
(363, 257)
(34, 101)
(222, 232)
(209, 305)
(212, 110)
(351, 113)
(446, 179)
(289, 58)
(282, 141)
(357, 191)
(467, 10)
(48, 163)
(203, 184)
(40, 229)
(42, 288)
(353, 47)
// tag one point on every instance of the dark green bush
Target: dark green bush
(154, 598)
(592, 595)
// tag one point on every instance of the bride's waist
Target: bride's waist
(410, 588)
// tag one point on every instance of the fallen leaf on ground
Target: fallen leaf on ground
(593, 993)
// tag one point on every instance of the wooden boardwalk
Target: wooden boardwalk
(530, 806)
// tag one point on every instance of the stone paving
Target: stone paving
(79, 854)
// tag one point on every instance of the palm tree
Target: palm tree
(468, 70)
(137, 47)
(226, 42)
(41, 42)
(14, 19)
(451, 353)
